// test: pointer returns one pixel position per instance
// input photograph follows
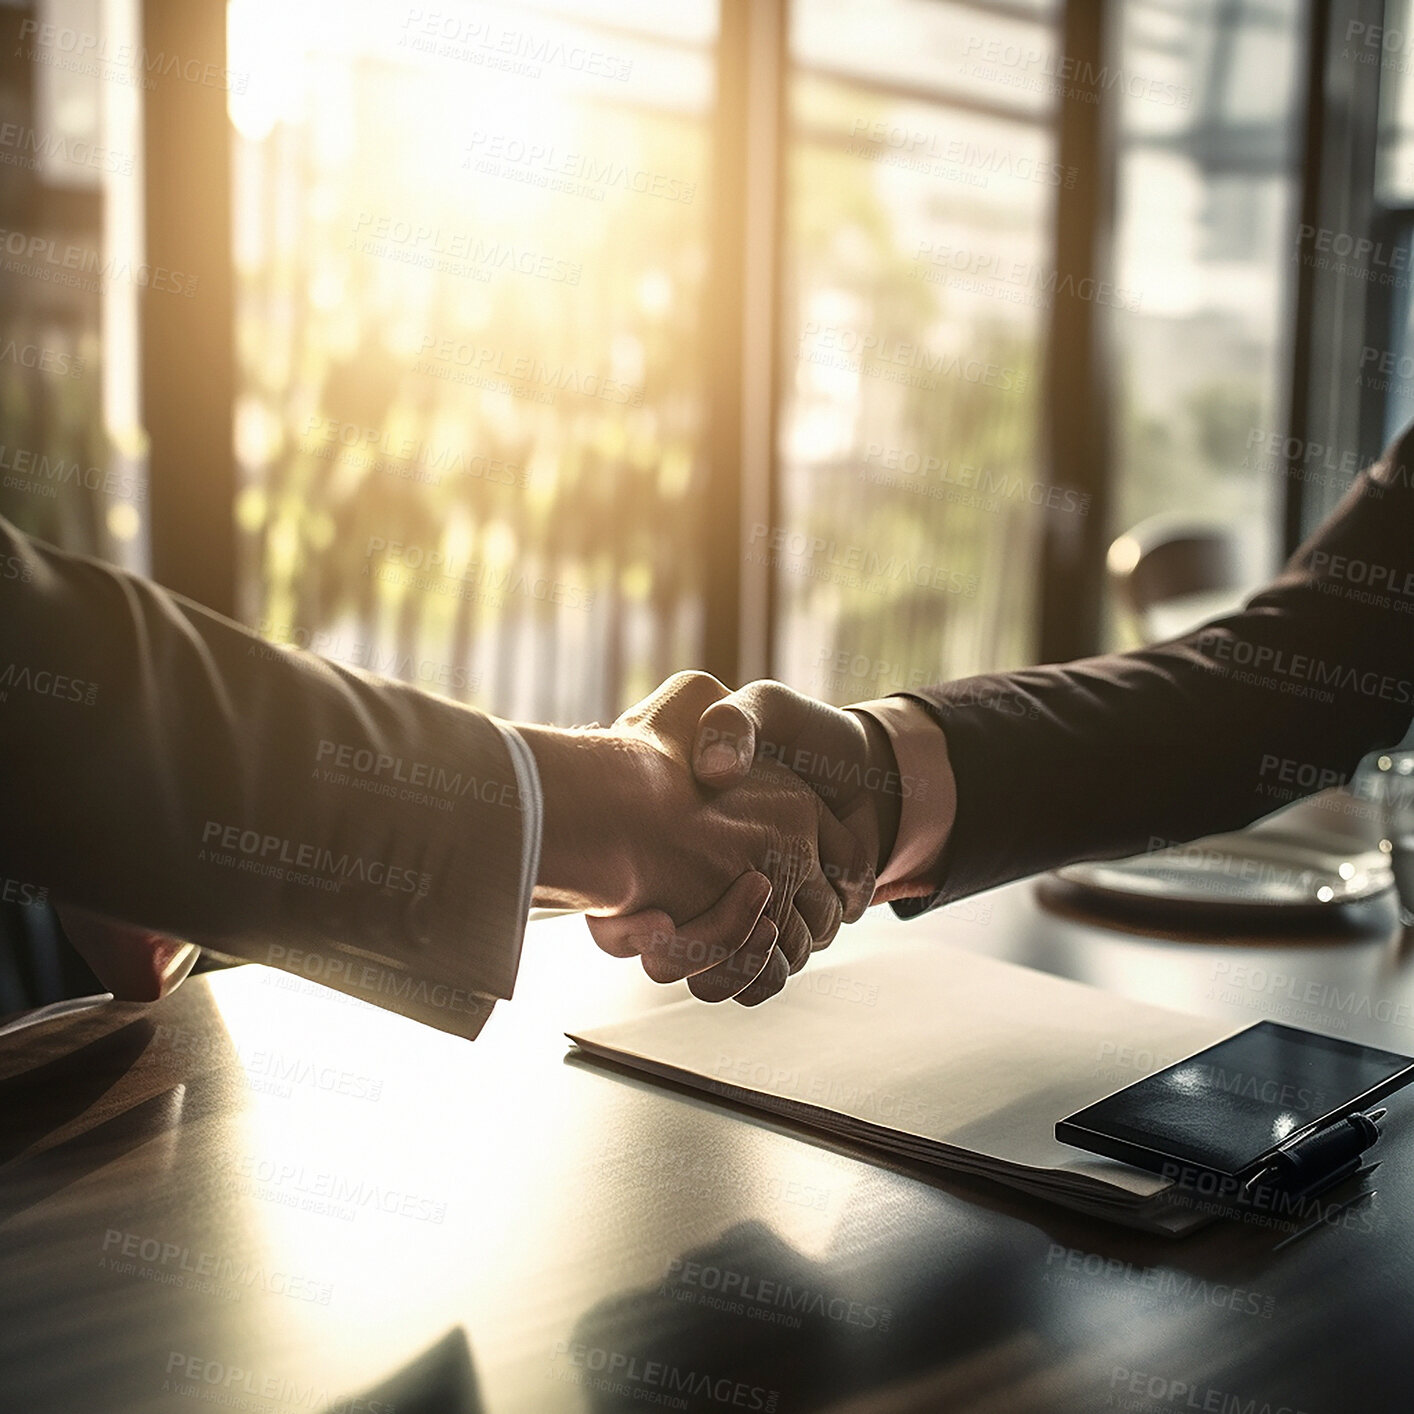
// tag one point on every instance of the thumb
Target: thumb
(725, 745)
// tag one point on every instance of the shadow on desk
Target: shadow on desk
(442, 1380)
(745, 1321)
(69, 1113)
(40, 1101)
(749, 1322)
(754, 1301)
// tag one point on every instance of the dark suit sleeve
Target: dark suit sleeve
(169, 769)
(1116, 755)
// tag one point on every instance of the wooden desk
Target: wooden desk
(258, 1196)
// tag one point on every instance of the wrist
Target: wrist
(882, 783)
(583, 860)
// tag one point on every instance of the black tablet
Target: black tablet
(1228, 1108)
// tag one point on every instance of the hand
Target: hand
(135, 964)
(723, 889)
(844, 757)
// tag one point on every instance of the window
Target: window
(1207, 150)
(478, 255)
(1387, 364)
(471, 248)
(918, 276)
(71, 450)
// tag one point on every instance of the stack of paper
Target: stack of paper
(939, 1055)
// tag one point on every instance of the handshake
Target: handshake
(720, 837)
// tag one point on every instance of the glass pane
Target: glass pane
(1207, 193)
(948, 51)
(692, 20)
(72, 456)
(916, 296)
(1388, 373)
(1386, 53)
(470, 246)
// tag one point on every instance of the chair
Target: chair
(1171, 572)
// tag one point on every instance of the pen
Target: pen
(1325, 1156)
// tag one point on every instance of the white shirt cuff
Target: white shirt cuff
(532, 818)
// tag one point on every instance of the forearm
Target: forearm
(207, 785)
(1112, 755)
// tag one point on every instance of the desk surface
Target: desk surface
(259, 1196)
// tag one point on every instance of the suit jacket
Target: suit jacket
(1116, 755)
(168, 768)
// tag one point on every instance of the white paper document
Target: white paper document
(935, 1054)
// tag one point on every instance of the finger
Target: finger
(795, 940)
(819, 908)
(772, 979)
(135, 964)
(846, 864)
(725, 745)
(673, 951)
(627, 934)
(740, 970)
(673, 710)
